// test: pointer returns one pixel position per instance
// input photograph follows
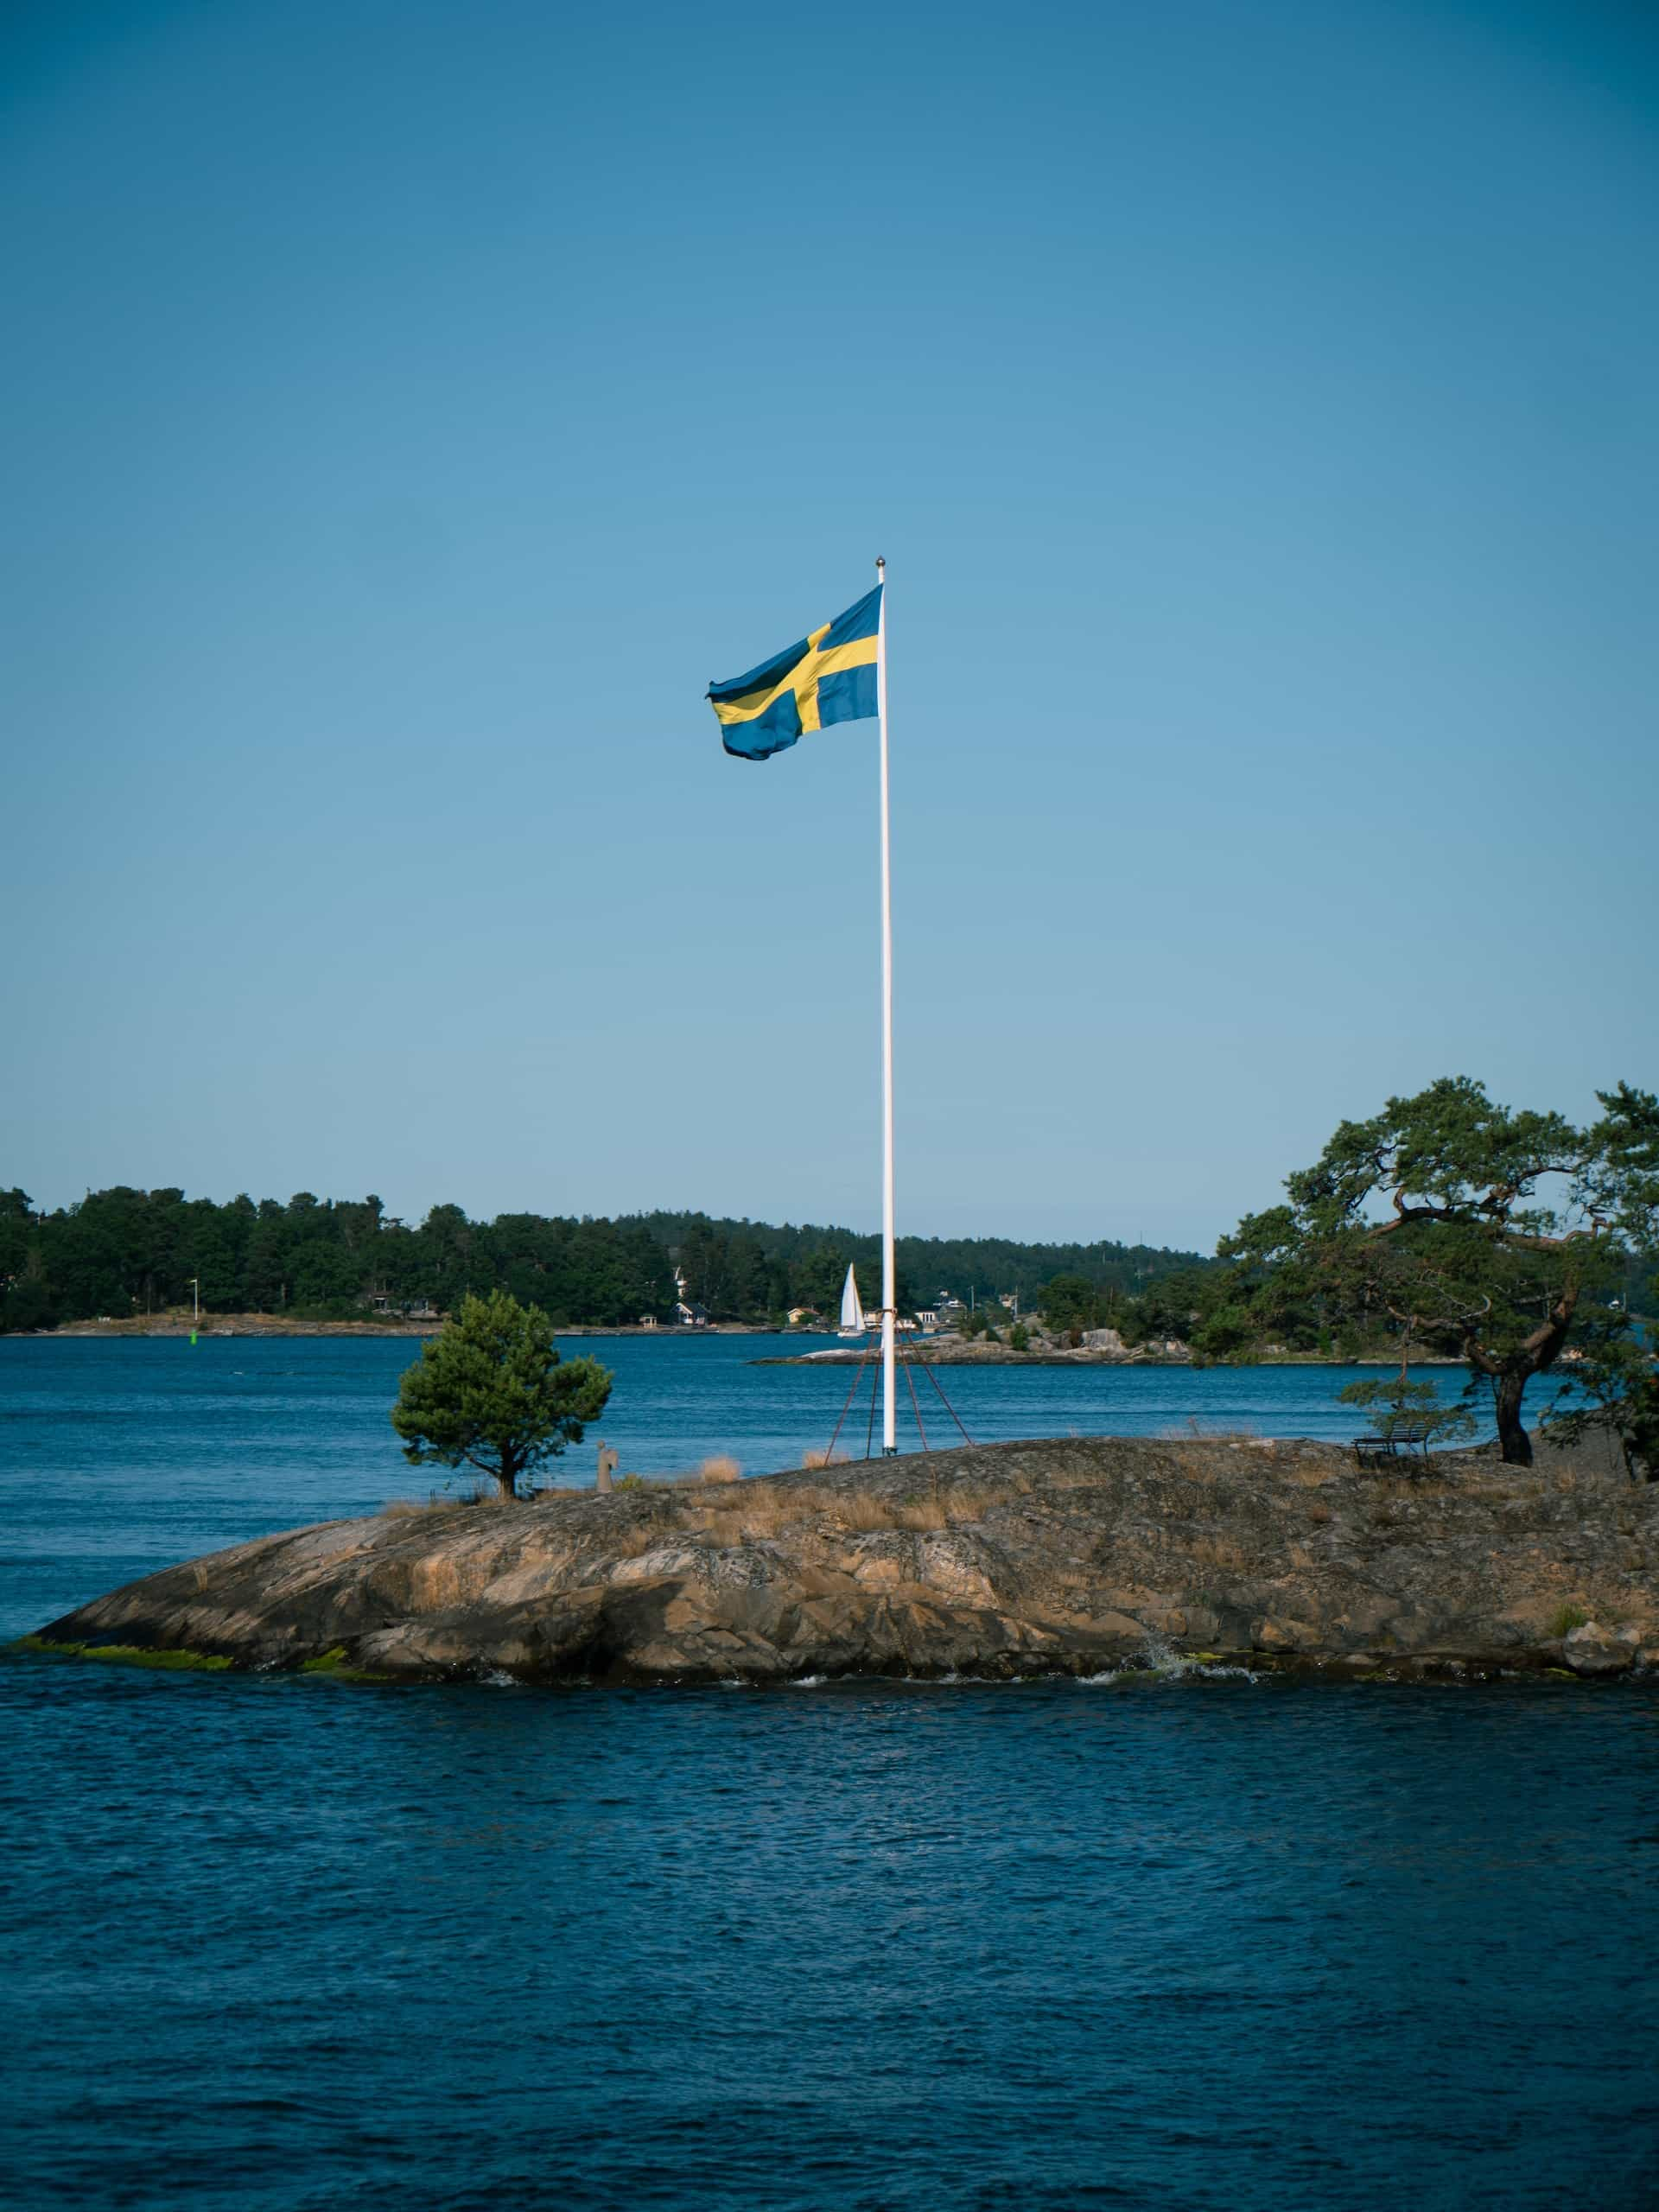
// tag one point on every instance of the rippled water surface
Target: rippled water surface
(284, 1944)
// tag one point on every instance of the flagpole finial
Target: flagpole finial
(880, 564)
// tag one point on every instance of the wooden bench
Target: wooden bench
(1409, 1441)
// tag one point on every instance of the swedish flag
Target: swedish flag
(829, 677)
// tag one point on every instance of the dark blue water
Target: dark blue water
(1199, 1945)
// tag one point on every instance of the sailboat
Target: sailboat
(852, 1323)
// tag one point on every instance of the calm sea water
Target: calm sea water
(1197, 1945)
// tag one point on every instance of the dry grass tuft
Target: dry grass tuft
(820, 1455)
(1197, 1466)
(753, 1510)
(1408, 1490)
(403, 1508)
(1192, 1430)
(1210, 1551)
(631, 1541)
(859, 1509)
(724, 1531)
(777, 1507)
(718, 1467)
(1319, 1512)
(868, 1515)
(974, 1504)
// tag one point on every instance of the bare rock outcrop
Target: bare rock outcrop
(1592, 1650)
(1071, 1556)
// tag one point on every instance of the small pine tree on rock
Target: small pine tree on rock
(490, 1392)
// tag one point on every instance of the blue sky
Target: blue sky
(408, 408)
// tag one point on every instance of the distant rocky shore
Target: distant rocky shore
(1095, 1348)
(1077, 1556)
(282, 1324)
(236, 1324)
(949, 1350)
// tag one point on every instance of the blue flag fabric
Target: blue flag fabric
(829, 677)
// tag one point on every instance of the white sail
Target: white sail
(852, 1313)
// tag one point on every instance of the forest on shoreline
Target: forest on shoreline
(122, 1252)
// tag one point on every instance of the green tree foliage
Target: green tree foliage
(1072, 1301)
(25, 1300)
(1171, 1308)
(16, 1217)
(1469, 1227)
(730, 1274)
(927, 1265)
(816, 1276)
(1613, 1387)
(124, 1252)
(490, 1392)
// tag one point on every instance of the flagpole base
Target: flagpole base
(889, 1450)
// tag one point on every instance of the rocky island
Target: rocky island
(1035, 1347)
(1080, 1556)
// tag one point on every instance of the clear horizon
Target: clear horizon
(410, 408)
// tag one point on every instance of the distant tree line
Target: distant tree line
(124, 1252)
(747, 1266)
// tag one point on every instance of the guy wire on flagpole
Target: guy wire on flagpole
(889, 1433)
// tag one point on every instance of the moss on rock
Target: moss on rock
(129, 1655)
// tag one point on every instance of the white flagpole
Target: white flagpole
(889, 1438)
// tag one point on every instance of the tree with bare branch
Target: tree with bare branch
(1475, 1229)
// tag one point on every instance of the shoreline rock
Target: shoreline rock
(1078, 1556)
(975, 1351)
(277, 1324)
